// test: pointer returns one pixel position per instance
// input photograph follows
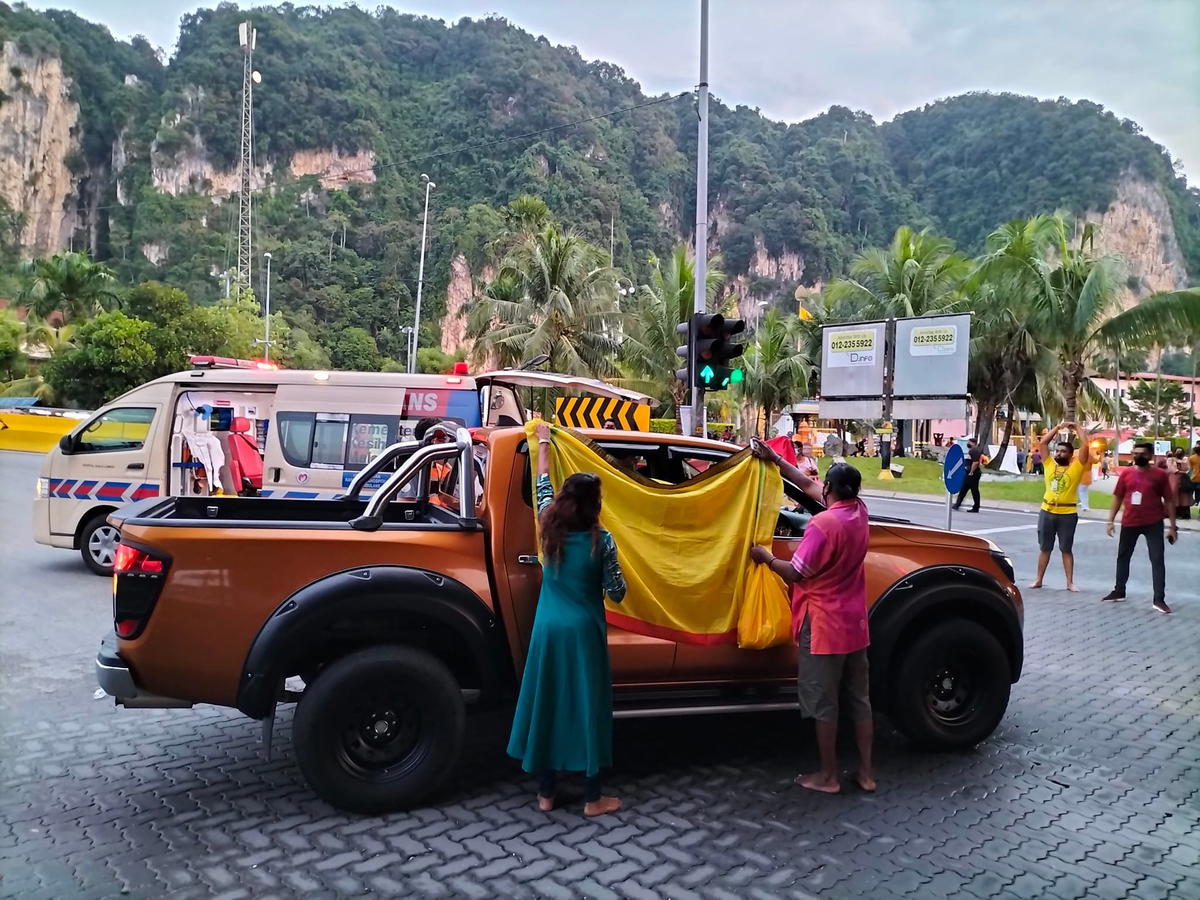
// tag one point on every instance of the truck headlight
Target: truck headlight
(43, 488)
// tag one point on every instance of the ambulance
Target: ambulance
(231, 427)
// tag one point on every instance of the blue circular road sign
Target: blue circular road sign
(954, 470)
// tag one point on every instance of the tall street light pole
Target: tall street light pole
(701, 267)
(414, 337)
(267, 317)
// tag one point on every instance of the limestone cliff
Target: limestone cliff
(190, 170)
(1138, 227)
(37, 143)
(460, 293)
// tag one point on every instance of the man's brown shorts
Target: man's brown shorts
(824, 676)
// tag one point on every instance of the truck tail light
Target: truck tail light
(138, 577)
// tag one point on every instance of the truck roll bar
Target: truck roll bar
(390, 453)
(372, 517)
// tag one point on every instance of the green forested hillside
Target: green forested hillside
(460, 101)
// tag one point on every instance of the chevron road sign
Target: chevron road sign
(593, 412)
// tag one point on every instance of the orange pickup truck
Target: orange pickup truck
(399, 611)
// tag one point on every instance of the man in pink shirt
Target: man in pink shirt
(829, 615)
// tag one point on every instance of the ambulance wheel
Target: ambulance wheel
(98, 544)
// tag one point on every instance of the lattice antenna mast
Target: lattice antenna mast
(247, 37)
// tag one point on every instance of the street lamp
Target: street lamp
(408, 333)
(266, 342)
(412, 353)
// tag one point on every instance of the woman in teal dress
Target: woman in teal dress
(563, 721)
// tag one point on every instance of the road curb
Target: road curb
(1015, 505)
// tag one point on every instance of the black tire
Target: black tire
(379, 730)
(951, 687)
(98, 544)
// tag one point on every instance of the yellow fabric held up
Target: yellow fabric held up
(766, 616)
(685, 548)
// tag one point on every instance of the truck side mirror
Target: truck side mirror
(66, 444)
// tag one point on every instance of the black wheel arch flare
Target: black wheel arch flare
(938, 593)
(392, 603)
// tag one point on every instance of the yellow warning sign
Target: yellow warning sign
(593, 412)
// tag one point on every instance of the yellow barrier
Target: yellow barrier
(34, 432)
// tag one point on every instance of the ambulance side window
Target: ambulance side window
(329, 440)
(296, 437)
(117, 429)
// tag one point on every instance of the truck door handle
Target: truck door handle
(137, 466)
(275, 477)
(527, 559)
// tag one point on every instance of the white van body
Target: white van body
(314, 431)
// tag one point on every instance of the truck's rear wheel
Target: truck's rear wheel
(98, 544)
(379, 730)
(951, 687)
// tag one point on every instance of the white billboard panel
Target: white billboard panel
(852, 359)
(932, 354)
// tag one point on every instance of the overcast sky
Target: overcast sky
(794, 58)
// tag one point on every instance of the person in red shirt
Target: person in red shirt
(1145, 493)
(829, 614)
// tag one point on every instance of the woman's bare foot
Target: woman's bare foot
(819, 782)
(545, 804)
(1073, 588)
(866, 781)
(602, 807)
(1034, 585)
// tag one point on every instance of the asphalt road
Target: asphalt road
(1090, 787)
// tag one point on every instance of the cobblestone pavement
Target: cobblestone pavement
(1090, 788)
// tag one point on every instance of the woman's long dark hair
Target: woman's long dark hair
(576, 507)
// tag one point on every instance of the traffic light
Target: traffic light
(709, 351)
(714, 351)
(686, 350)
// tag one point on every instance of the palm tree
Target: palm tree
(1075, 299)
(553, 295)
(526, 215)
(919, 274)
(70, 284)
(776, 369)
(49, 340)
(665, 303)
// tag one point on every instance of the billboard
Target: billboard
(932, 353)
(852, 359)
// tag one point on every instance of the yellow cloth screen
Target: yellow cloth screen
(684, 549)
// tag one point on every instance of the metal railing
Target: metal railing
(390, 453)
(372, 517)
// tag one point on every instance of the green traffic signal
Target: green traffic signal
(717, 378)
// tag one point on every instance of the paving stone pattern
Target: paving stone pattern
(1090, 788)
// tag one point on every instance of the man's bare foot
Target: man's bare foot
(866, 781)
(1034, 585)
(1073, 588)
(602, 807)
(545, 804)
(819, 782)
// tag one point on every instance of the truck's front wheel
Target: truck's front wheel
(379, 730)
(951, 687)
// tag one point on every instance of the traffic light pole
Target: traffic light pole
(701, 267)
(889, 371)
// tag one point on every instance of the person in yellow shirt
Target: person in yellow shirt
(1060, 503)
